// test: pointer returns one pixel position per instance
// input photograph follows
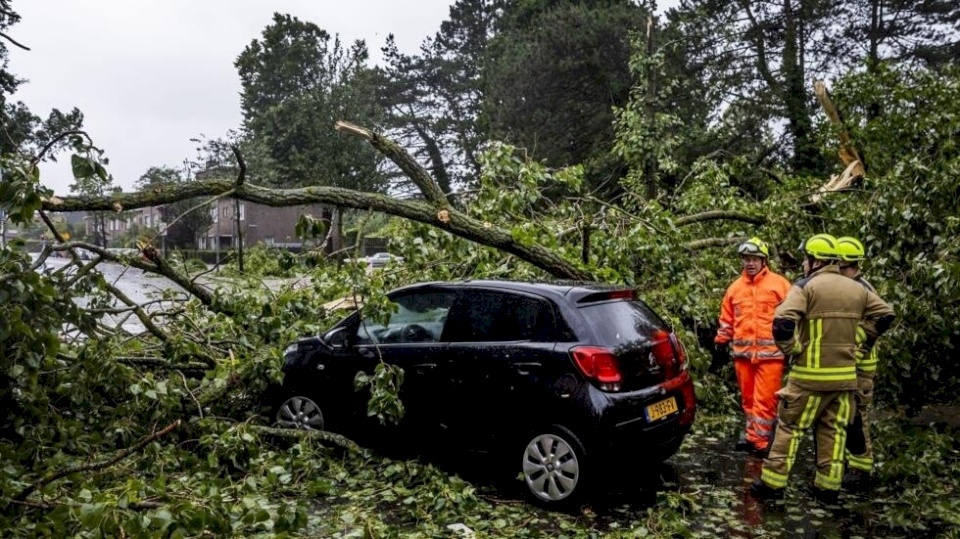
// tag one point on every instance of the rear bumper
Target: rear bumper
(628, 424)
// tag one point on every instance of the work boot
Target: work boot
(857, 480)
(825, 496)
(763, 491)
(743, 444)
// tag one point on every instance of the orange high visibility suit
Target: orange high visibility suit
(746, 323)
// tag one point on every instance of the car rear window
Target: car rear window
(617, 323)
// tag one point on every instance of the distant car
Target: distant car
(381, 259)
(572, 383)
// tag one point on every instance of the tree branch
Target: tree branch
(428, 186)
(120, 455)
(448, 218)
(139, 312)
(14, 41)
(714, 215)
(712, 242)
(314, 435)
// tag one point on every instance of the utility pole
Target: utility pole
(236, 220)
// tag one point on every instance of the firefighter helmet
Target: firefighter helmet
(754, 247)
(850, 249)
(821, 247)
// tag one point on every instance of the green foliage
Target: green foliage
(297, 81)
(541, 53)
(20, 191)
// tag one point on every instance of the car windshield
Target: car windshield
(620, 323)
(426, 310)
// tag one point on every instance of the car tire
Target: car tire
(669, 449)
(555, 468)
(298, 411)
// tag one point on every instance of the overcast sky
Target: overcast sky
(149, 75)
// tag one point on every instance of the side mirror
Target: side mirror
(337, 338)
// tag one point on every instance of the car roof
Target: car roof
(571, 290)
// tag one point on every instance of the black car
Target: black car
(565, 378)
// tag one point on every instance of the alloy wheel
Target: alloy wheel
(551, 468)
(300, 413)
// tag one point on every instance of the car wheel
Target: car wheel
(299, 412)
(553, 467)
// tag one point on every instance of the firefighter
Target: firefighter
(817, 326)
(859, 451)
(746, 318)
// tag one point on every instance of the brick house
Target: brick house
(258, 222)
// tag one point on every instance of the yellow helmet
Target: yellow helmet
(850, 249)
(821, 247)
(754, 247)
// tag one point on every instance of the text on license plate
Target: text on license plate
(661, 409)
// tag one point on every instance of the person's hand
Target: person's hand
(720, 356)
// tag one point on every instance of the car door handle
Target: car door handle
(424, 368)
(366, 352)
(526, 367)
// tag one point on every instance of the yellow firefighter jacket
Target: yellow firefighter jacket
(817, 325)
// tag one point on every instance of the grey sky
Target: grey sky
(151, 75)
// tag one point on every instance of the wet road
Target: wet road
(140, 287)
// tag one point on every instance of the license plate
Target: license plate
(661, 409)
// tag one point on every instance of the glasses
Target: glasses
(749, 249)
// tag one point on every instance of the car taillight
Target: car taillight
(665, 354)
(598, 364)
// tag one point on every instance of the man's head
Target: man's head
(819, 250)
(753, 255)
(851, 252)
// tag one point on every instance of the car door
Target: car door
(501, 344)
(410, 339)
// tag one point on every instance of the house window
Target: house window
(215, 214)
(243, 213)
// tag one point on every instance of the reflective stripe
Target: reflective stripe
(869, 363)
(825, 374)
(813, 347)
(834, 478)
(763, 421)
(773, 479)
(766, 342)
(825, 482)
(806, 420)
(864, 464)
(770, 354)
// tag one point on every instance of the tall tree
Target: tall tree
(556, 70)
(870, 31)
(297, 81)
(434, 98)
(20, 129)
(763, 55)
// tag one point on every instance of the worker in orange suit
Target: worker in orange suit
(746, 327)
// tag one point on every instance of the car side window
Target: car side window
(420, 318)
(487, 316)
